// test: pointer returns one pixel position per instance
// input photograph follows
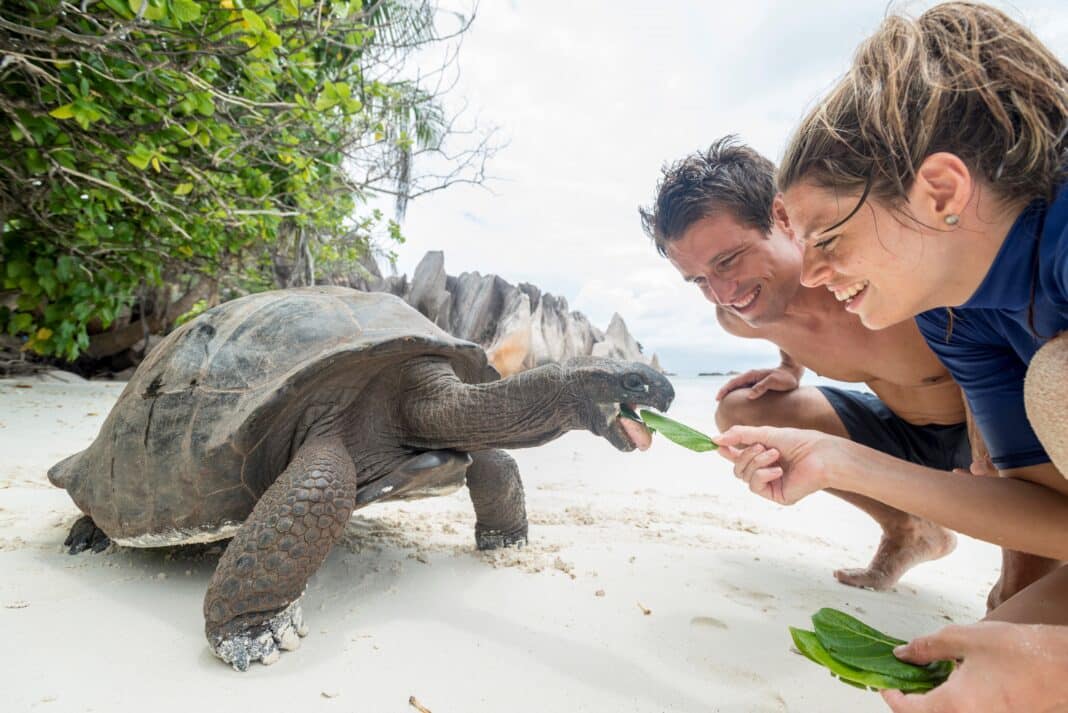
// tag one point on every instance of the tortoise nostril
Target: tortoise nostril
(633, 382)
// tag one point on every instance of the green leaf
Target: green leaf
(139, 160)
(119, 8)
(677, 432)
(855, 643)
(183, 189)
(627, 412)
(63, 112)
(809, 646)
(253, 21)
(185, 10)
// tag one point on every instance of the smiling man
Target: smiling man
(718, 219)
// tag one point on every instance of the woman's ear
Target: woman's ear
(941, 190)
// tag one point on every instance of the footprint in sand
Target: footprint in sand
(750, 597)
(709, 621)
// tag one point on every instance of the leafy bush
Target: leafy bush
(170, 147)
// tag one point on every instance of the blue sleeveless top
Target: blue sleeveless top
(991, 341)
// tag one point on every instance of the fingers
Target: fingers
(914, 703)
(758, 467)
(738, 382)
(760, 388)
(744, 435)
(950, 642)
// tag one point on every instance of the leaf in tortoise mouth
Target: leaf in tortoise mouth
(678, 432)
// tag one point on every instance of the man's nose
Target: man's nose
(815, 270)
(720, 291)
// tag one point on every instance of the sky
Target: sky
(593, 98)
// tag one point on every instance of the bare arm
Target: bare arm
(1027, 510)
(981, 463)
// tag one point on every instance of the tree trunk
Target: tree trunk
(119, 340)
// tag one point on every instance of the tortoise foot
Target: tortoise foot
(85, 535)
(490, 539)
(262, 642)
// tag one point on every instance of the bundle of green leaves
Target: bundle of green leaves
(862, 656)
(671, 429)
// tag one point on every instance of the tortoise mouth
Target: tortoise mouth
(625, 429)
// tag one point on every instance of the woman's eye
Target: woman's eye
(826, 243)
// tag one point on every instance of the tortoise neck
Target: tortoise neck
(529, 409)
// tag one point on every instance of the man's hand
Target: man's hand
(782, 464)
(1007, 668)
(761, 381)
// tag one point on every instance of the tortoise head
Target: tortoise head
(603, 385)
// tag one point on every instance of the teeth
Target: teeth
(844, 293)
(742, 304)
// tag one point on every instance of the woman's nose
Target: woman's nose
(815, 270)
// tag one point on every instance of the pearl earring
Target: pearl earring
(952, 219)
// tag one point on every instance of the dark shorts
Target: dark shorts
(869, 422)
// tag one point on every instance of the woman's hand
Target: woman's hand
(782, 464)
(1007, 668)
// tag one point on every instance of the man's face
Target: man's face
(743, 270)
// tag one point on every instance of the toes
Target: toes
(862, 578)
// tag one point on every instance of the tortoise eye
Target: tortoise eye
(633, 382)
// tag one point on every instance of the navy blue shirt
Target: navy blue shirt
(990, 344)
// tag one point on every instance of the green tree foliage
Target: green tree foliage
(170, 146)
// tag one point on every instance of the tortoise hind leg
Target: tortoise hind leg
(251, 608)
(85, 535)
(497, 494)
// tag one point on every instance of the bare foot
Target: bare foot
(901, 548)
(1018, 570)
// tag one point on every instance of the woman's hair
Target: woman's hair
(962, 78)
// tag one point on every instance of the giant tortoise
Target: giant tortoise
(270, 418)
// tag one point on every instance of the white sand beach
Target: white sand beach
(653, 582)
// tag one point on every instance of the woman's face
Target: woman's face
(875, 261)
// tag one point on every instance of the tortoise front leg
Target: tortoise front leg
(497, 494)
(251, 609)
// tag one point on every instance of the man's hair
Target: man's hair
(728, 177)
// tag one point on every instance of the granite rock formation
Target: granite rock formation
(519, 325)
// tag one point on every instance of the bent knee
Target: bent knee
(1046, 399)
(737, 409)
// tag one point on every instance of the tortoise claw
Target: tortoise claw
(262, 642)
(85, 535)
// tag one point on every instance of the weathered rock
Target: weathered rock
(617, 343)
(427, 291)
(520, 326)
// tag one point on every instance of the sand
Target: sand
(653, 582)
